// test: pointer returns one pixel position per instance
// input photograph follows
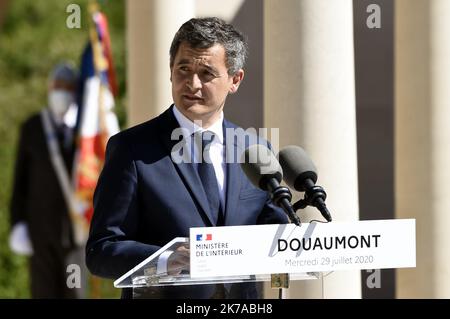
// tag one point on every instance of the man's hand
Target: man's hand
(178, 261)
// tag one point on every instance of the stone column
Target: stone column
(151, 25)
(309, 93)
(422, 153)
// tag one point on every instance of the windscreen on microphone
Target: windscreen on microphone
(260, 165)
(297, 167)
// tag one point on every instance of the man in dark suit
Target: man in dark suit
(145, 198)
(40, 220)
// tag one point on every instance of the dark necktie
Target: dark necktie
(208, 177)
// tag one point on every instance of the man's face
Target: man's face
(200, 82)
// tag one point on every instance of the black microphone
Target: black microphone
(301, 174)
(263, 170)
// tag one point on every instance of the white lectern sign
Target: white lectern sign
(268, 249)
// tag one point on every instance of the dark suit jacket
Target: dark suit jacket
(37, 197)
(143, 200)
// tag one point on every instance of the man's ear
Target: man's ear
(237, 79)
(171, 68)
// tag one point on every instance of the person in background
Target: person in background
(40, 222)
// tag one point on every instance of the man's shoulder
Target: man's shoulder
(33, 121)
(139, 129)
(134, 134)
(145, 132)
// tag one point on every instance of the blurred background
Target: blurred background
(362, 85)
(33, 39)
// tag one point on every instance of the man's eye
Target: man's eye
(208, 75)
(184, 68)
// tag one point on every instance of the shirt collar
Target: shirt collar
(192, 127)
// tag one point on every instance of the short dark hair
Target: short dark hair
(206, 32)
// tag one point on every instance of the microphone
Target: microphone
(263, 170)
(301, 174)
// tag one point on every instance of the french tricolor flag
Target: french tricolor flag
(96, 120)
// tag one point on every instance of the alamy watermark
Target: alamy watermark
(374, 19)
(73, 20)
(374, 279)
(235, 141)
(74, 276)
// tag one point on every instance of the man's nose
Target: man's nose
(194, 83)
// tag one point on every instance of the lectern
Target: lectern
(279, 253)
(145, 275)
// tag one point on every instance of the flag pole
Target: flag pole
(98, 66)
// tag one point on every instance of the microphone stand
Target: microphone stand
(282, 196)
(280, 281)
(314, 196)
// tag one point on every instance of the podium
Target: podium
(145, 275)
(278, 253)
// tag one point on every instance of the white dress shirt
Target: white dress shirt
(217, 156)
(216, 150)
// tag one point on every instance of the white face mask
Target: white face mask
(59, 102)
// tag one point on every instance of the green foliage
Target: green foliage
(33, 38)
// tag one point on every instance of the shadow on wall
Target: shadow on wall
(245, 108)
